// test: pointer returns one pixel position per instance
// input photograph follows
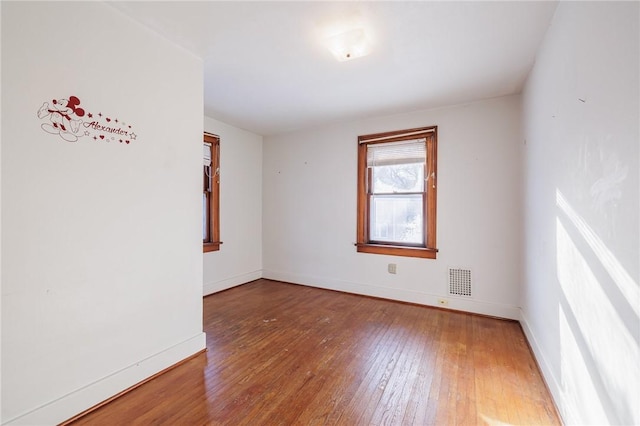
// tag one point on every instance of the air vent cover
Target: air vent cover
(460, 282)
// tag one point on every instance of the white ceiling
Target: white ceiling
(267, 71)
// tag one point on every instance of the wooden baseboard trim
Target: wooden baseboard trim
(129, 389)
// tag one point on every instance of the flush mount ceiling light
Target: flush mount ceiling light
(349, 44)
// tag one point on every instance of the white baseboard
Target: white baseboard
(94, 393)
(547, 372)
(214, 287)
(457, 303)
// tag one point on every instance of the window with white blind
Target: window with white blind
(211, 193)
(397, 193)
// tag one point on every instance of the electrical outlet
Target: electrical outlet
(443, 302)
(391, 268)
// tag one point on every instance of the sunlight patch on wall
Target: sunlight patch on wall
(577, 386)
(625, 283)
(612, 350)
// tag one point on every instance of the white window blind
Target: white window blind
(403, 152)
(207, 154)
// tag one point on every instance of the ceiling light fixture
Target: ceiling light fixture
(349, 44)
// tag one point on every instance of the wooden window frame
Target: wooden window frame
(364, 244)
(213, 220)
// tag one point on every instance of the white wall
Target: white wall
(239, 259)
(581, 300)
(310, 209)
(102, 257)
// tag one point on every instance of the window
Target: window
(397, 193)
(211, 194)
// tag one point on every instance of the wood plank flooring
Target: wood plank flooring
(283, 354)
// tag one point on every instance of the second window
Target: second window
(397, 193)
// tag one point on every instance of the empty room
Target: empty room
(318, 212)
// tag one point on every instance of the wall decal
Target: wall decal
(67, 119)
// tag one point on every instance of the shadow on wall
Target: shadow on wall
(599, 321)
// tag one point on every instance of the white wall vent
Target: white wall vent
(459, 282)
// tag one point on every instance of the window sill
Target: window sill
(207, 247)
(422, 252)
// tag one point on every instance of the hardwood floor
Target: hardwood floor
(283, 354)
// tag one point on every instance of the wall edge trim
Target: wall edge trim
(87, 396)
(545, 369)
(227, 283)
(427, 299)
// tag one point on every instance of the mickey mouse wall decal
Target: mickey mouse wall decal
(62, 115)
(64, 118)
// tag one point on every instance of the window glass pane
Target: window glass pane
(396, 218)
(398, 178)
